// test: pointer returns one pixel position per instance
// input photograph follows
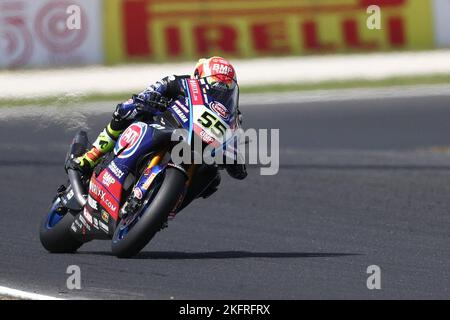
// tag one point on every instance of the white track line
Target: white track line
(5, 291)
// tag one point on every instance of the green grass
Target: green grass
(327, 85)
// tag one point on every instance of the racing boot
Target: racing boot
(103, 144)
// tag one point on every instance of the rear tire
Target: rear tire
(153, 217)
(58, 238)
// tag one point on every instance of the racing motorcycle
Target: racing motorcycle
(137, 187)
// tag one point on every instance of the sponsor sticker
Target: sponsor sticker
(223, 69)
(108, 179)
(180, 114)
(105, 216)
(194, 89)
(87, 215)
(69, 195)
(149, 181)
(103, 197)
(110, 183)
(85, 224)
(103, 226)
(115, 170)
(182, 106)
(95, 223)
(206, 137)
(220, 109)
(78, 224)
(92, 203)
(137, 193)
(130, 139)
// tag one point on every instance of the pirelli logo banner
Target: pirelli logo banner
(158, 30)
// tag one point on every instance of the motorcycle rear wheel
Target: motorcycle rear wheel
(54, 232)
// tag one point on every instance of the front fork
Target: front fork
(150, 173)
(192, 168)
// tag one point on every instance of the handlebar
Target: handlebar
(156, 106)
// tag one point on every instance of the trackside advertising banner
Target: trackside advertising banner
(442, 23)
(50, 32)
(159, 30)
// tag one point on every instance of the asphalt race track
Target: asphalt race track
(361, 183)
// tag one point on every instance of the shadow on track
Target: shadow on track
(176, 255)
(46, 163)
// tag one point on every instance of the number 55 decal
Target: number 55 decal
(209, 120)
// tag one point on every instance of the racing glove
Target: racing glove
(148, 101)
(79, 164)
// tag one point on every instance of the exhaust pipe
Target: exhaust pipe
(77, 148)
(77, 187)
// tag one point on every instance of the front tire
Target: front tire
(54, 232)
(152, 218)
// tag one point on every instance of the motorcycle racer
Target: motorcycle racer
(220, 75)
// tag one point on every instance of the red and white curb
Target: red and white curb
(24, 295)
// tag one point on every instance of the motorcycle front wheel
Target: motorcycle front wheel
(131, 236)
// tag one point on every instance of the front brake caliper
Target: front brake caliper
(130, 207)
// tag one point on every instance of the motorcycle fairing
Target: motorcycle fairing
(88, 226)
(210, 119)
(106, 193)
(194, 98)
(106, 189)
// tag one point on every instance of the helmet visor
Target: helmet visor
(225, 91)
